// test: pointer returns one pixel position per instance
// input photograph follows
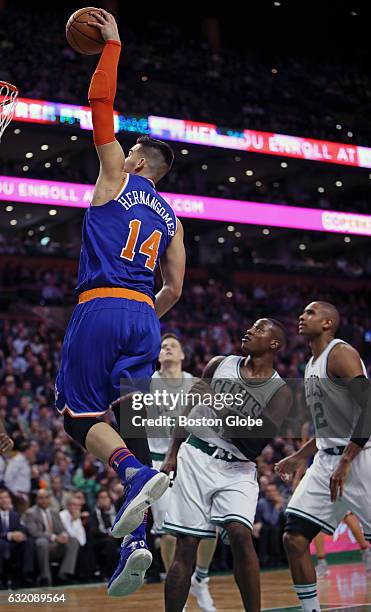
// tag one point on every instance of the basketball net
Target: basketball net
(8, 100)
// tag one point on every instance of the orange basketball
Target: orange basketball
(82, 37)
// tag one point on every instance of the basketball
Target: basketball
(83, 37)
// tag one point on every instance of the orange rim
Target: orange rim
(10, 85)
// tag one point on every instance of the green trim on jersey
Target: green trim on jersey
(198, 533)
(229, 518)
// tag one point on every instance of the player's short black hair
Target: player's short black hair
(172, 335)
(330, 311)
(281, 331)
(160, 146)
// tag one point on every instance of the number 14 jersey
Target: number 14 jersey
(334, 411)
(123, 240)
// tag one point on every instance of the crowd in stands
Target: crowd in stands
(59, 503)
(48, 285)
(168, 70)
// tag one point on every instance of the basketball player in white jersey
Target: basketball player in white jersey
(337, 392)
(216, 482)
(172, 379)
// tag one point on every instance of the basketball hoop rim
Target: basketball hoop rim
(10, 85)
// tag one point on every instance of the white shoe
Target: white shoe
(200, 590)
(322, 568)
(366, 558)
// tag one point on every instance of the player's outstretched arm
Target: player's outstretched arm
(101, 96)
(172, 266)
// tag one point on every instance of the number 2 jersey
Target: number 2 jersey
(123, 240)
(334, 411)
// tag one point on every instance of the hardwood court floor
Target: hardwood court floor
(348, 587)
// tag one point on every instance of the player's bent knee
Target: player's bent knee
(186, 548)
(78, 428)
(238, 534)
(168, 538)
(295, 543)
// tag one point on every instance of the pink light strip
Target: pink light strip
(78, 195)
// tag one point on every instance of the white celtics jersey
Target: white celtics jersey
(334, 411)
(173, 386)
(256, 395)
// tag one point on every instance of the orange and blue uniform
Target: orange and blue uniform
(114, 332)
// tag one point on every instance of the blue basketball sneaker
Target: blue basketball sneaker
(140, 492)
(135, 559)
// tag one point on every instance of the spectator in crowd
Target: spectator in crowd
(58, 495)
(268, 527)
(16, 549)
(85, 479)
(62, 468)
(18, 475)
(106, 547)
(71, 519)
(52, 541)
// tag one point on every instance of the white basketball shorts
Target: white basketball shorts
(311, 500)
(208, 492)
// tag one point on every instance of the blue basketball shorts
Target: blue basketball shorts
(110, 348)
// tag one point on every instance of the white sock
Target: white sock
(307, 593)
(201, 573)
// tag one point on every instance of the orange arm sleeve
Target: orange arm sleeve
(102, 93)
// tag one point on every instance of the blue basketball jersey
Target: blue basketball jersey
(123, 240)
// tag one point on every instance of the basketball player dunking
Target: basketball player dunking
(114, 332)
(337, 392)
(216, 480)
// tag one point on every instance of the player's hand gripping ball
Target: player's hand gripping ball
(82, 37)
